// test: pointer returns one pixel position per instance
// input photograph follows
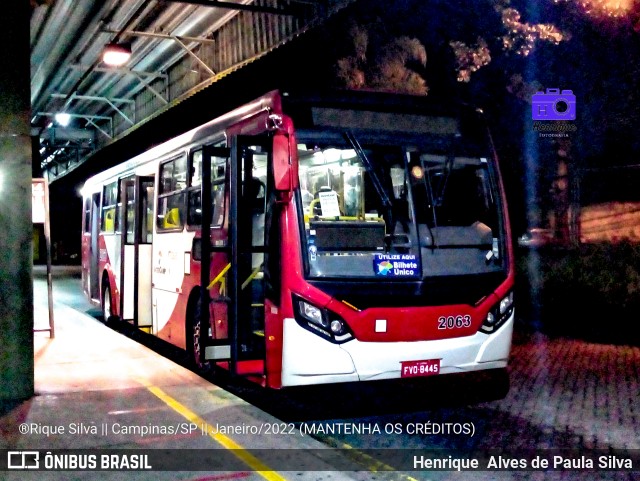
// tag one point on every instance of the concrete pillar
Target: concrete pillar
(16, 280)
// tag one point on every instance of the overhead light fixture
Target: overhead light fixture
(116, 54)
(63, 119)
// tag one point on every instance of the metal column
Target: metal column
(233, 286)
(16, 231)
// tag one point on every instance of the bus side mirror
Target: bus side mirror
(285, 165)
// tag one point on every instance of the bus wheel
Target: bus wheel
(497, 385)
(198, 333)
(107, 306)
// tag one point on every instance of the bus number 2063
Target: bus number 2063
(451, 322)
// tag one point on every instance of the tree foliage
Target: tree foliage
(382, 64)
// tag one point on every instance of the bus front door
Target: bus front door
(136, 194)
(243, 346)
(253, 154)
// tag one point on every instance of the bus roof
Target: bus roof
(300, 106)
(195, 136)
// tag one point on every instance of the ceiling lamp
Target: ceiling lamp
(63, 119)
(116, 54)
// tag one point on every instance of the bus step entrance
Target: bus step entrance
(221, 300)
(252, 337)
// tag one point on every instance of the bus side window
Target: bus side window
(109, 195)
(87, 215)
(194, 196)
(217, 198)
(173, 181)
(146, 235)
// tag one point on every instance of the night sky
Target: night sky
(596, 57)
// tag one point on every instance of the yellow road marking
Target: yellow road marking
(361, 458)
(254, 463)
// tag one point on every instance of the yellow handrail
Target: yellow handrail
(312, 204)
(251, 277)
(220, 278)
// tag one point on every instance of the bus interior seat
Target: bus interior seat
(172, 219)
(109, 221)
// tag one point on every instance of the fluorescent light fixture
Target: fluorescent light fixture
(116, 54)
(63, 119)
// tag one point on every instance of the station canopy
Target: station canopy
(88, 109)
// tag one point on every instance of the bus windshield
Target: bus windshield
(397, 205)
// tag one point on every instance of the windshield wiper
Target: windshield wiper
(386, 203)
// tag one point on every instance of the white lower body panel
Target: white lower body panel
(144, 285)
(163, 305)
(309, 359)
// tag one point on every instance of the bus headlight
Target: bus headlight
(498, 314)
(506, 303)
(312, 313)
(336, 326)
(322, 322)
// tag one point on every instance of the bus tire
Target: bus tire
(194, 340)
(107, 305)
(497, 384)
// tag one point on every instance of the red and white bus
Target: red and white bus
(349, 237)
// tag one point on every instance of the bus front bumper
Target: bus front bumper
(308, 359)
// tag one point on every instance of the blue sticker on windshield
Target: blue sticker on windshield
(396, 265)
